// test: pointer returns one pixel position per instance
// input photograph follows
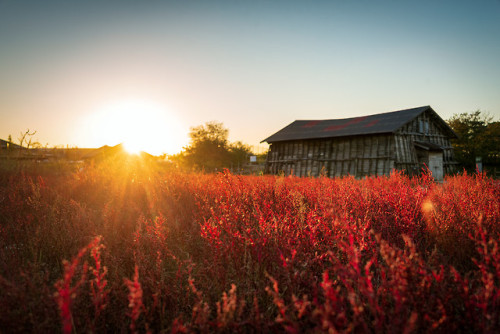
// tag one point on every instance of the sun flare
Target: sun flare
(140, 125)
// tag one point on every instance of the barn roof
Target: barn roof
(388, 122)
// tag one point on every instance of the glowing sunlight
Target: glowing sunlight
(140, 125)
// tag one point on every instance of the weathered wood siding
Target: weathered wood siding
(358, 156)
(424, 128)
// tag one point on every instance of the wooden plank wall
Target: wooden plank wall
(359, 156)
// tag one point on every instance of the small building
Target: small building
(406, 140)
(9, 150)
(7, 145)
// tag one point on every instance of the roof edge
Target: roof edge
(417, 111)
(442, 121)
(424, 109)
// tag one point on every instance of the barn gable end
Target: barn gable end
(417, 136)
(362, 146)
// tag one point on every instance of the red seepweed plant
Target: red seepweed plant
(66, 290)
(99, 290)
(228, 253)
(134, 299)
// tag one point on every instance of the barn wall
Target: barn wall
(425, 128)
(333, 157)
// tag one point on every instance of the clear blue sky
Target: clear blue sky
(253, 65)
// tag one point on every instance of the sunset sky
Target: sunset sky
(89, 73)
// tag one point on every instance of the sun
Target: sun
(139, 125)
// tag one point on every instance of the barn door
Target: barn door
(431, 155)
(436, 165)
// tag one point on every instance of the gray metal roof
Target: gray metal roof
(365, 125)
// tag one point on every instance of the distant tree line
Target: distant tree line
(478, 139)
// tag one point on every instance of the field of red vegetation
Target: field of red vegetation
(126, 247)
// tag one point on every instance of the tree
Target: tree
(239, 154)
(209, 148)
(26, 138)
(478, 136)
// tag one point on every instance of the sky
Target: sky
(90, 73)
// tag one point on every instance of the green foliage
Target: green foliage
(478, 136)
(210, 149)
(213, 132)
(239, 153)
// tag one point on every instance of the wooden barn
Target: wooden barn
(361, 146)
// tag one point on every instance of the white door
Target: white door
(436, 165)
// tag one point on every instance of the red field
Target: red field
(125, 247)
